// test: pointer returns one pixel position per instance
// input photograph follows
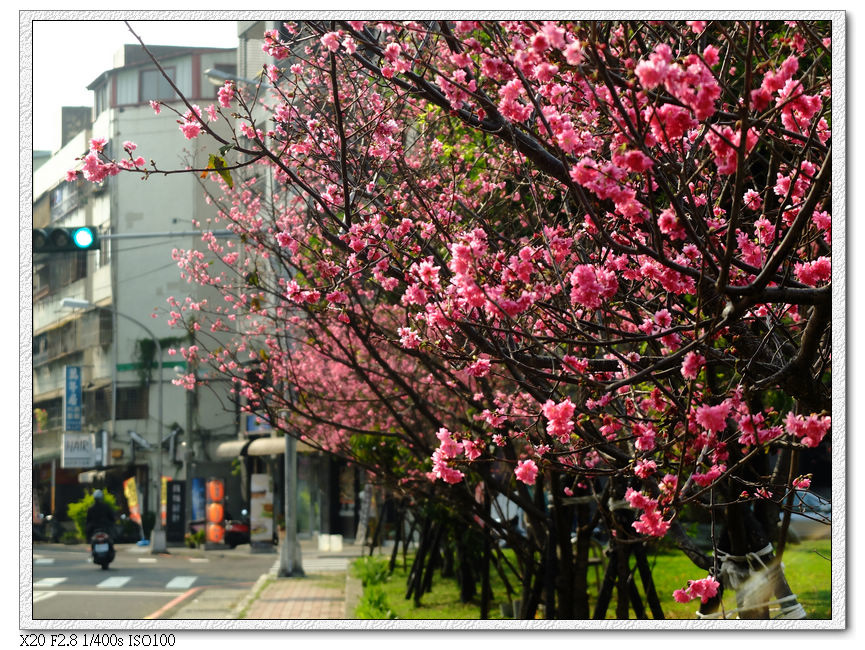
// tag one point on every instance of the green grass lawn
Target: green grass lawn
(807, 568)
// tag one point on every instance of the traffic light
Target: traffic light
(65, 240)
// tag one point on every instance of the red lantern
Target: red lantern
(215, 533)
(216, 490)
(215, 513)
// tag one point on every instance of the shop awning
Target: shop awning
(271, 446)
(45, 455)
(267, 447)
(232, 448)
(91, 476)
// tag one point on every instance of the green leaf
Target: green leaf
(218, 163)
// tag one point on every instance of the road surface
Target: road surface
(67, 585)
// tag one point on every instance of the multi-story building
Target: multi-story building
(126, 282)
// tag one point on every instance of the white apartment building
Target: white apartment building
(127, 281)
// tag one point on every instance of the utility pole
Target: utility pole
(290, 565)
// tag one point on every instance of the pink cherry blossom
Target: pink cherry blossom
(713, 418)
(691, 365)
(559, 422)
(526, 471)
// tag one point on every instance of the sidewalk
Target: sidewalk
(326, 591)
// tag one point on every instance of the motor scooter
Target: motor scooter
(102, 548)
(237, 530)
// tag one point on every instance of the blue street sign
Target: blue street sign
(72, 399)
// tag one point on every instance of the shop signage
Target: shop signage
(79, 450)
(72, 400)
(260, 509)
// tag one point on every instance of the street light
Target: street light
(157, 536)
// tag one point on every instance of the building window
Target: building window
(133, 403)
(154, 86)
(101, 98)
(103, 255)
(97, 405)
(41, 282)
(67, 268)
(64, 199)
(230, 70)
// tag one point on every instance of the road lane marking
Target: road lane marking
(43, 560)
(43, 595)
(199, 560)
(49, 582)
(114, 583)
(147, 560)
(112, 594)
(181, 582)
(168, 606)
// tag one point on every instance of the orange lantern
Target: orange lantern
(215, 513)
(215, 533)
(215, 490)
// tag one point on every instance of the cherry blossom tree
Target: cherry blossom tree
(583, 266)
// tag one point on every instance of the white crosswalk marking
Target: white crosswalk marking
(114, 583)
(43, 595)
(181, 582)
(325, 564)
(49, 582)
(43, 560)
(147, 560)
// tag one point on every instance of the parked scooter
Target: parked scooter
(102, 548)
(46, 529)
(237, 530)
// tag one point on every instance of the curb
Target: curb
(353, 594)
(252, 596)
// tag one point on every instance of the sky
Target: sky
(59, 81)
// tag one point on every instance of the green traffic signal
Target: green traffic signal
(65, 240)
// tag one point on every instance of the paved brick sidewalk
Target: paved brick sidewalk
(301, 598)
(326, 592)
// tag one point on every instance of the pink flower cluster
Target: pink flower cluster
(773, 81)
(510, 106)
(815, 272)
(331, 41)
(753, 429)
(591, 285)
(692, 364)
(191, 124)
(609, 181)
(810, 430)
(724, 144)
(559, 422)
(226, 93)
(94, 169)
(707, 478)
(713, 418)
(644, 436)
(273, 47)
(651, 522)
(694, 85)
(703, 589)
(448, 450)
(408, 338)
(481, 367)
(526, 471)
(645, 468)
(669, 224)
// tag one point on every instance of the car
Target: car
(810, 516)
